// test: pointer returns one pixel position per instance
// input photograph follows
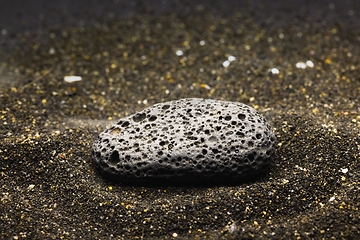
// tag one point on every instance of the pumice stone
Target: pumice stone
(189, 140)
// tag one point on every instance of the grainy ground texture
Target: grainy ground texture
(296, 62)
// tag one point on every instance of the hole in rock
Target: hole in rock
(240, 134)
(152, 118)
(251, 157)
(125, 124)
(214, 150)
(139, 117)
(165, 107)
(114, 158)
(241, 116)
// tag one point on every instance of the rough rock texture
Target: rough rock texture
(188, 139)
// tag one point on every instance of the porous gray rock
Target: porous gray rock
(189, 140)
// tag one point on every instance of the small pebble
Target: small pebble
(71, 79)
(301, 65)
(226, 63)
(274, 71)
(231, 58)
(179, 53)
(309, 64)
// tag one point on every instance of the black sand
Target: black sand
(129, 60)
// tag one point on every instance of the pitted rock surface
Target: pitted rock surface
(187, 140)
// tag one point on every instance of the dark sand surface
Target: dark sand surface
(131, 55)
